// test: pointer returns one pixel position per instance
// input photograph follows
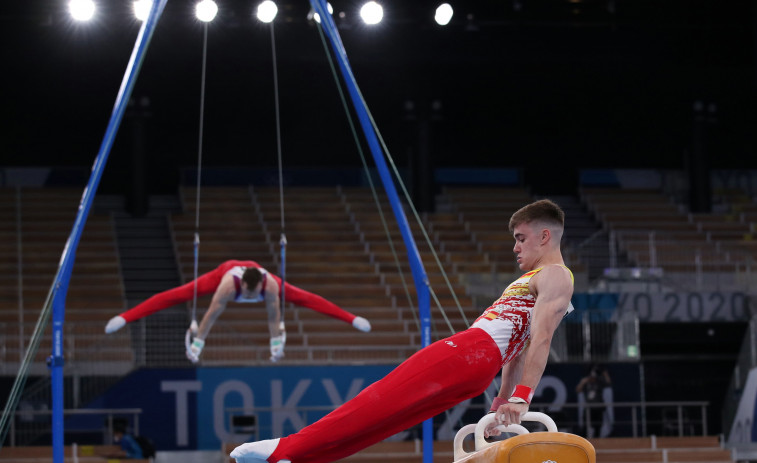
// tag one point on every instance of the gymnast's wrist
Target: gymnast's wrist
(521, 395)
(496, 403)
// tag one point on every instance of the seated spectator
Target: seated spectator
(130, 448)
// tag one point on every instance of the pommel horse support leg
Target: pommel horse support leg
(537, 447)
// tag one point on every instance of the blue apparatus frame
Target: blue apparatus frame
(63, 276)
(416, 265)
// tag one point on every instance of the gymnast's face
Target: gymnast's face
(528, 245)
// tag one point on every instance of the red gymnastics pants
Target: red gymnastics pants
(431, 381)
(208, 283)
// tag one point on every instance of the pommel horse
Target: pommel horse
(537, 447)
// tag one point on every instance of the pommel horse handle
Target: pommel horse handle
(478, 431)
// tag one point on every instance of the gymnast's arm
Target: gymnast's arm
(553, 288)
(224, 293)
(511, 374)
(273, 306)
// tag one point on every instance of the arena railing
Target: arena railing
(620, 419)
(29, 426)
(679, 259)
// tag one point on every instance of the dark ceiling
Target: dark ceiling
(520, 83)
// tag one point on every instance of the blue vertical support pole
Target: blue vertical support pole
(66, 265)
(416, 265)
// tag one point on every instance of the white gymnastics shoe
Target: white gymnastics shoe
(255, 452)
(115, 324)
(361, 324)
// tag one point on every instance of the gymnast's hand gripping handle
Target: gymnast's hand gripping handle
(190, 334)
(478, 431)
(478, 434)
(468, 429)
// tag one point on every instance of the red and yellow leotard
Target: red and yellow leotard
(508, 319)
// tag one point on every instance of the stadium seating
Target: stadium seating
(654, 231)
(44, 218)
(661, 449)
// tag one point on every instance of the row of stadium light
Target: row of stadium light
(371, 12)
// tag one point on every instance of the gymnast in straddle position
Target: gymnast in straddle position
(513, 335)
(237, 281)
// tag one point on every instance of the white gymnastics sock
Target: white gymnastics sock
(115, 324)
(361, 324)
